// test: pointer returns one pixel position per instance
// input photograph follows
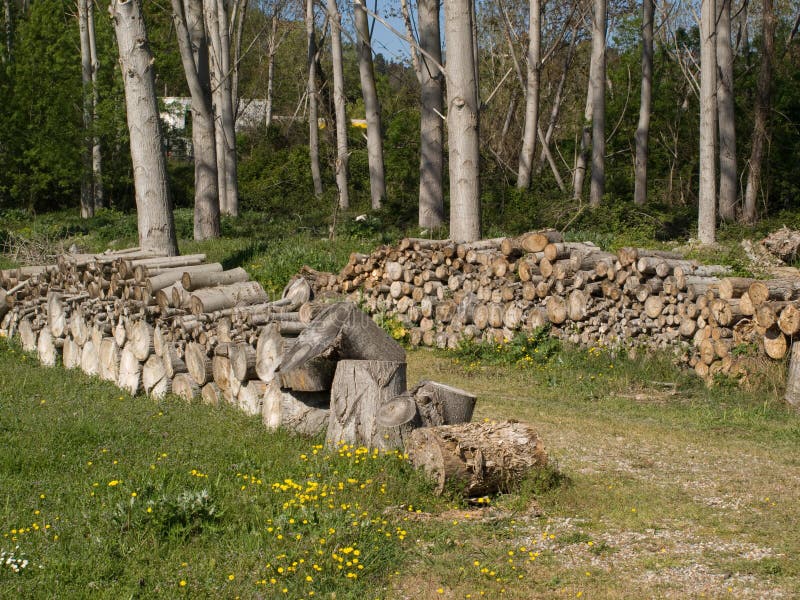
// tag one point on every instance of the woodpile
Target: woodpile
(443, 293)
(783, 243)
(178, 325)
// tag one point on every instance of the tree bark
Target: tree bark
(762, 110)
(478, 458)
(431, 161)
(87, 194)
(97, 155)
(377, 177)
(313, 100)
(728, 184)
(193, 45)
(217, 27)
(271, 70)
(706, 220)
(339, 100)
(153, 202)
(598, 78)
(531, 97)
(462, 122)
(360, 388)
(643, 130)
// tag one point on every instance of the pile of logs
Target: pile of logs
(157, 325)
(444, 293)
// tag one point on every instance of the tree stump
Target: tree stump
(302, 412)
(477, 459)
(360, 388)
(343, 331)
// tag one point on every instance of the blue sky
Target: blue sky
(384, 41)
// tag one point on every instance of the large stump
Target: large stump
(342, 331)
(360, 389)
(302, 412)
(477, 459)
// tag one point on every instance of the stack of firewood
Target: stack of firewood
(158, 324)
(489, 290)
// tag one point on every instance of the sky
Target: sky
(384, 41)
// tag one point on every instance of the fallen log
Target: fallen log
(477, 459)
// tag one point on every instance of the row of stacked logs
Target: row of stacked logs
(178, 325)
(444, 293)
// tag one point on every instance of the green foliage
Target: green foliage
(393, 326)
(524, 349)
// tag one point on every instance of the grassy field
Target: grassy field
(666, 488)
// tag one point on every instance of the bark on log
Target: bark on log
(360, 388)
(184, 386)
(343, 331)
(477, 459)
(792, 395)
(219, 298)
(303, 413)
(197, 280)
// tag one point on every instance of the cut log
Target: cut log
(219, 298)
(302, 413)
(269, 352)
(792, 395)
(243, 361)
(141, 340)
(343, 331)
(46, 348)
(477, 459)
(360, 388)
(27, 336)
(192, 281)
(130, 371)
(789, 320)
(198, 363)
(315, 375)
(184, 386)
(211, 394)
(153, 373)
(71, 354)
(775, 344)
(734, 287)
(168, 277)
(109, 360)
(251, 397)
(90, 358)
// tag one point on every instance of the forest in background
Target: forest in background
(41, 142)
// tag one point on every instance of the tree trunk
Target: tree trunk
(339, 100)
(271, 71)
(193, 45)
(97, 156)
(217, 27)
(313, 100)
(360, 388)
(762, 110)
(582, 157)
(239, 12)
(87, 196)
(643, 130)
(9, 29)
(431, 161)
(153, 202)
(598, 78)
(462, 122)
(706, 220)
(728, 184)
(478, 458)
(531, 97)
(792, 395)
(377, 177)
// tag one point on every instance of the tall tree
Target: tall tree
(706, 220)
(193, 46)
(97, 157)
(216, 21)
(643, 129)
(532, 87)
(372, 108)
(762, 110)
(87, 187)
(153, 202)
(725, 109)
(462, 121)
(431, 152)
(598, 85)
(339, 102)
(313, 99)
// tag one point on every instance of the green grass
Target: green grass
(654, 479)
